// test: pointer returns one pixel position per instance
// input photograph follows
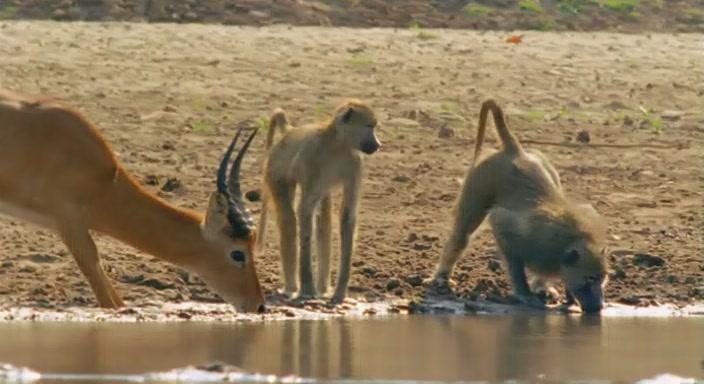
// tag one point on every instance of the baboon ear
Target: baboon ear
(216, 217)
(570, 258)
(346, 114)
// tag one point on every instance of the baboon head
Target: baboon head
(227, 263)
(584, 262)
(354, 123)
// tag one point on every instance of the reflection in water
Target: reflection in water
(418, 347)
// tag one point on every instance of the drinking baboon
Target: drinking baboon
(535, 225)
(317, 159)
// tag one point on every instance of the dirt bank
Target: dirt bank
(168, 97)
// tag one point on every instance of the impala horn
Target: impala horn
(237, 214)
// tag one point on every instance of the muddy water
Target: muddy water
(494, 348)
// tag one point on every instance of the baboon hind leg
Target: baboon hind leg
(324, 243)
(472, 207)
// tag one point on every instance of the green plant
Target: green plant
(360, 61)
(569, 7)
(421, 33)
(263, 123)
(535, 116)
(652, 121)
(8, 12)
(619, 5)
(530, 5)
(475, 10)
(200, 126)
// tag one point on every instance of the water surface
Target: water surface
(437, 348)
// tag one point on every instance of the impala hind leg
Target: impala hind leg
(84, 251)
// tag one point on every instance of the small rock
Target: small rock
(169, 108)
(629, 300)
(583, 137)
(615, 105)
(168, 147)
(671, 115)
(294, 64)
(399, 292)
(157, 284)
(618, 273)
(445, 132)
(414, 280)
(171, 185)
(494, 265)
(401, 179)
(392, 284)
(369, 271)
(627, 121)
(151, 180)
(646, 260)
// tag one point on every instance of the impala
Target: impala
(57, 171)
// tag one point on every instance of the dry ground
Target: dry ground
(169, 97)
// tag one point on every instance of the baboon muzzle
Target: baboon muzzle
(370, 147)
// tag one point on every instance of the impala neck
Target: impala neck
(134, 216)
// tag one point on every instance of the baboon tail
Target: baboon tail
(510, 143)
(278, 120)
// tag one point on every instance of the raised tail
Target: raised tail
(277, 121)
(509, 142)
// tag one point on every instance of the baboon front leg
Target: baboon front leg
(472, 207)
(286, 219)
(324, 243)
(521, 289)
(81, 245)
(348, 229)
(306, 208)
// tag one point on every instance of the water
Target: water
(437, 348)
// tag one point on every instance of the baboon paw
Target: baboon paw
(337, 298)
(440, 282)
(530, 300)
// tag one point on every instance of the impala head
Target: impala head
(230, 235)
(354, 123)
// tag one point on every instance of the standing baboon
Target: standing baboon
(534, 224)
(317, 159)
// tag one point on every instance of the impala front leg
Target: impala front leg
(348, 229)
(81, 245)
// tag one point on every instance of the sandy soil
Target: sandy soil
(169, 97)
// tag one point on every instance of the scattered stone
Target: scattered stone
(445, 132)
(494, 265)
(671, 115)
(583, 137)
(414, 280)
(615, 105)
(392, 284)
(369, 272)
(171, 184)
(627, 121)
(618, 273)
(151, 180)
(156, 284)
(629, 300)
(646, 260)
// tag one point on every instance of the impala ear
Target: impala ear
(216, 217)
